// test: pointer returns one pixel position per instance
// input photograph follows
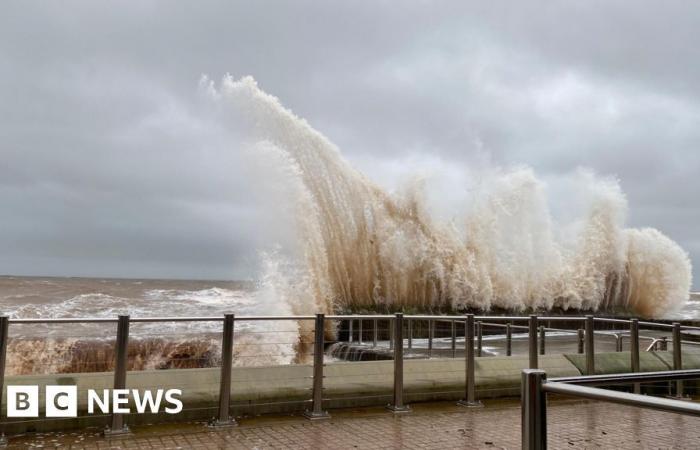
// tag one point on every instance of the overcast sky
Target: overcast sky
(112, 165)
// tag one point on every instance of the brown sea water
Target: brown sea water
(65, 348)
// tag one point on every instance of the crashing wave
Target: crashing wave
(363, 248)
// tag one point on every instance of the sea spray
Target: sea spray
(364, 249)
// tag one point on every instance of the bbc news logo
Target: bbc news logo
(62, 401)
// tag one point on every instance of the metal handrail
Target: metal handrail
(627, 378)
(624, 398)
(173, 319)
(535, 388)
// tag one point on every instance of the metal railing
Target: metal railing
(473, 329)
(535, 388)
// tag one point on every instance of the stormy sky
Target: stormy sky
(112, 164)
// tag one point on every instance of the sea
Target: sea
(62, 348)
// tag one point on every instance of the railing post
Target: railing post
(375, 331)
(410, 334)
(580, 341)
(677, 356)
(543, 334)
(663, 344)
(431, 332)
(533, 405)
(479, 338)
(350, 330)
(121, 354)
(618, 342)
(590, 346)
(470, 381)
(317, 411)
(454, 339)
(532, 341)
(4, 327)
(634, 350)
(224, 418)
(509, 340)
(397, 406)
(359, 331)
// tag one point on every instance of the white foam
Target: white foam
(362, 247)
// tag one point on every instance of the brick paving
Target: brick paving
(571, 425)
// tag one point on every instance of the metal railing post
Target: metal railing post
(224, 418)
(410, 334)
(121, 355)
(590, 346)
(397, 406)
(317, 411)
(634, 350)
(532, 340)
(580, 341)
(618, 342)
(431, 333)
(677, 356)
(470, 378)
(663, 344)
(454, 339)
(479, 338)
(4, 327)
(533, 404)
(359, 331)
(543, 334)
(350, 330)
(375, 331)
(509, 340)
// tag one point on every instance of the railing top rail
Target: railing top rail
(503, 318)
(504, 325)
(626, 378)
(153, 319)
(361, 316)
(66, 320)
(492, 320)
(562, 318)
(625, 398)
(655, 324)
(450, 318)
(611, 320)
(177, 319)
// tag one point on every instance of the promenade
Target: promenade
(572, 424)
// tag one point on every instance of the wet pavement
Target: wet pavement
(572, 424)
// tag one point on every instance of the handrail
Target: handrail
(611, 320)
(627, 378)
(535, 388)
(624, 398)
(167, 319)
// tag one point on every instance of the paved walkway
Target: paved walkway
(572, 425)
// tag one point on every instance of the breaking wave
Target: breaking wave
(363, 248)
